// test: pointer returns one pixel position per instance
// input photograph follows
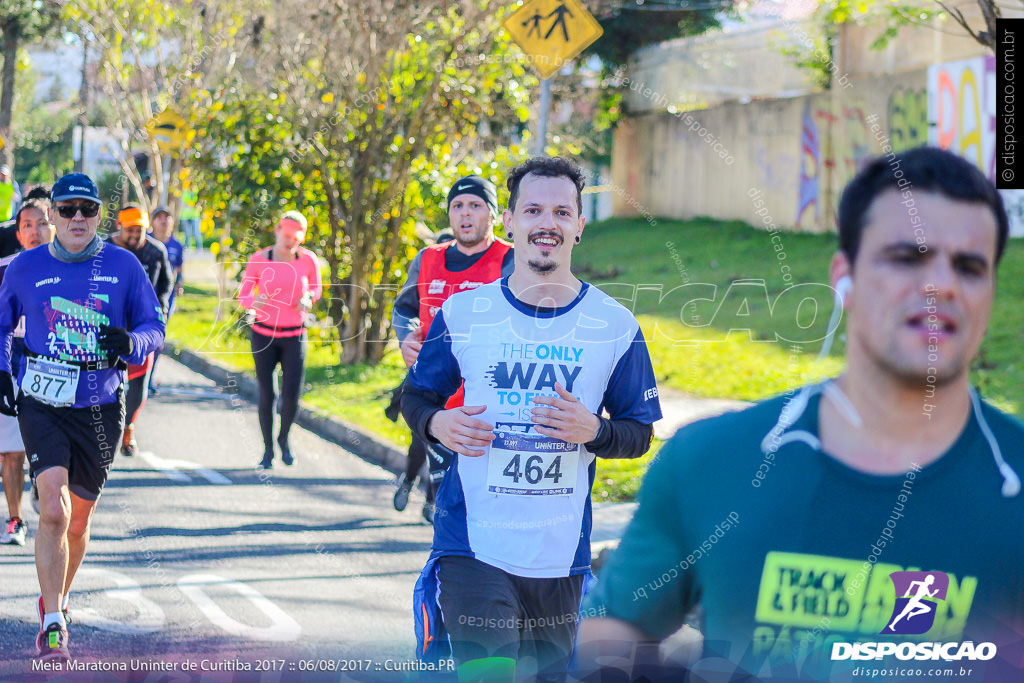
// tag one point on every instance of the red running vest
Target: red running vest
(436, 283)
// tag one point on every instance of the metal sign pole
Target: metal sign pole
(542, 119)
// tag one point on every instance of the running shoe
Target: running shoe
(14, 531)
(286, 455)
(402, 493)
(267, 463)
(428, 513)
(53, 643)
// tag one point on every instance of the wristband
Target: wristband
(600, 430)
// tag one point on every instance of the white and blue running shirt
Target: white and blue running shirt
(524, 506)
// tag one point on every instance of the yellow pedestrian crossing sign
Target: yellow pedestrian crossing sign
(552, 32)
(168, 130)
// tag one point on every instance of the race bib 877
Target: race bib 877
(50, 381)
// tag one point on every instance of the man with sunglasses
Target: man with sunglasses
(89, 309)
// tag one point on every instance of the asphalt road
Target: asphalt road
(196, 557)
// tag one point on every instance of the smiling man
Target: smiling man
(88, 309)
(542, 355)
(798, 523)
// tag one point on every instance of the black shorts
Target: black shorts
(491, 613)
(81, 440)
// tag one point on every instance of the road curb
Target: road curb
(609, 519)
(371, 448)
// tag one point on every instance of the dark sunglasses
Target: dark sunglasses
(88, 210)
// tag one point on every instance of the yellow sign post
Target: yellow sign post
(552, 32)
(167, 129)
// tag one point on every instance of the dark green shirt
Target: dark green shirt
(791, 551)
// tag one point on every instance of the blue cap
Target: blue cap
(75, 186)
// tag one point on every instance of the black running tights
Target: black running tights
(267, 352)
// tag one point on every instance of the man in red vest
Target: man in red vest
(475, 257)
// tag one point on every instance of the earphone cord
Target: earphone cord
(1011, 482)
(833, 327)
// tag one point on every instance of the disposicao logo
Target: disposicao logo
(918, 596)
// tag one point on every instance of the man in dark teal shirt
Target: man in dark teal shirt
(805, 525)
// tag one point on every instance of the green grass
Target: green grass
(357, 394)
(714, 304)
(704, 270)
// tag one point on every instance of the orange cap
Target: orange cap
(133, 216)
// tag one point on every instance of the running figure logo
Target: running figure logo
(917, 599)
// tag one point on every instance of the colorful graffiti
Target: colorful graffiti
(810, 166)
(961, 103)
(908, 118)
(962, 107)
(821, 167)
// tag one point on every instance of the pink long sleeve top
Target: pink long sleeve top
(285, 282)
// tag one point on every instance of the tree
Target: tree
(43, 142)
(146, 67)
(358, 137)
(895, 14)
(989, 11)
(20, 21)
(631, 26)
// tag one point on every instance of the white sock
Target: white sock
(51, 618)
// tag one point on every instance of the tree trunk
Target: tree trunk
(378, 332)
(354, 336)
(12, 34)
(172, 199)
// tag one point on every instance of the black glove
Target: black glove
(115, 341)
(7, 399)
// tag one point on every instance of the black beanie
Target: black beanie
(481, 187)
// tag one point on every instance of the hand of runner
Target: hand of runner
(411, 348)
(566, 418)
(115, 341)
(460, 431)
(7, 398)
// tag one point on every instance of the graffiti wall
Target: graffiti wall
(797, 152)
(962, 105)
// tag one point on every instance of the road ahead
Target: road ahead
(196, 556)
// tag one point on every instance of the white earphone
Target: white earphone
(843, 287)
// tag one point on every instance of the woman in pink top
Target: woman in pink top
(280, 285)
